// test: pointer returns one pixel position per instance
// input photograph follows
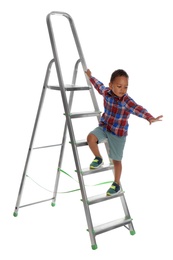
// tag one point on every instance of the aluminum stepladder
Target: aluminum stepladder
(126, 221)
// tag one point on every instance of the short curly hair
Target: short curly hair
(118, 73)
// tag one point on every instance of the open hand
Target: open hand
(152, 120)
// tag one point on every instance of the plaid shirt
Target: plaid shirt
(117, 110)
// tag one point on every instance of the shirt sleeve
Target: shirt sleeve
(98, 85)
(137, 110)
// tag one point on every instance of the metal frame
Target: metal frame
(93, 231)
(32, 138)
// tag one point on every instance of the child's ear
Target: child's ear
(110, 85)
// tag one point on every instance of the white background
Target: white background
(133, 35)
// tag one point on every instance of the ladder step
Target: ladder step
(81, 142)
(84, 114)
(69, 87)
(103, 168)
(112, 225)
(102, 197)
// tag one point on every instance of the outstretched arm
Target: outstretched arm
(140, 111)
(152, 120)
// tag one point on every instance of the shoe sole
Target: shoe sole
(109, 194)
(92, 167)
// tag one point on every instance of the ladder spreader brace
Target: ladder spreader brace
(126, 221)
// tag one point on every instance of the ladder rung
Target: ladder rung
(84, 114)
(103, 168)
(35, 203)
(69, 87)
(111, 225)
(46, 146)
(103, 197)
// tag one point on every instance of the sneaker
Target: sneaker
(115, 188)
(96, 163)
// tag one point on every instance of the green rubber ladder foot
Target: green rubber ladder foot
(53, 204)
(15, 214)
(132, 232)
(94, 247)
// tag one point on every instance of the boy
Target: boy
(113, 124)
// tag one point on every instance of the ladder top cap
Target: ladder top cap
(59, 13)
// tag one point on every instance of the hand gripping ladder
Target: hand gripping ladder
(126, 221)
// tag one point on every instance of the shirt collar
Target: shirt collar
(111, 93)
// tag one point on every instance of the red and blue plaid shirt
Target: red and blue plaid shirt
(117, 110)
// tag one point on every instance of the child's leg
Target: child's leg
(92, 142)
(115, 187)
(117, 171)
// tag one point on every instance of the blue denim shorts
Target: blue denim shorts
(116, 143)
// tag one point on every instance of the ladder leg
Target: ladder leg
(124, 204)
(127, 214)
(59, 166)
(32, 139)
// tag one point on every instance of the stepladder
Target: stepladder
(67, 93)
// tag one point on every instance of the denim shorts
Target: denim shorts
(116, 143)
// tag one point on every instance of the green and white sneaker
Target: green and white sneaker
(96, 163)
(115, 188)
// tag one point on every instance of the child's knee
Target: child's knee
(92, 138)
(116, 162)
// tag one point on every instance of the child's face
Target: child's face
(119, 86)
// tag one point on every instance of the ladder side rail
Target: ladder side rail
(33, 137)
(81, 55)
(70, 128)
(64, 135)
(126, 211)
